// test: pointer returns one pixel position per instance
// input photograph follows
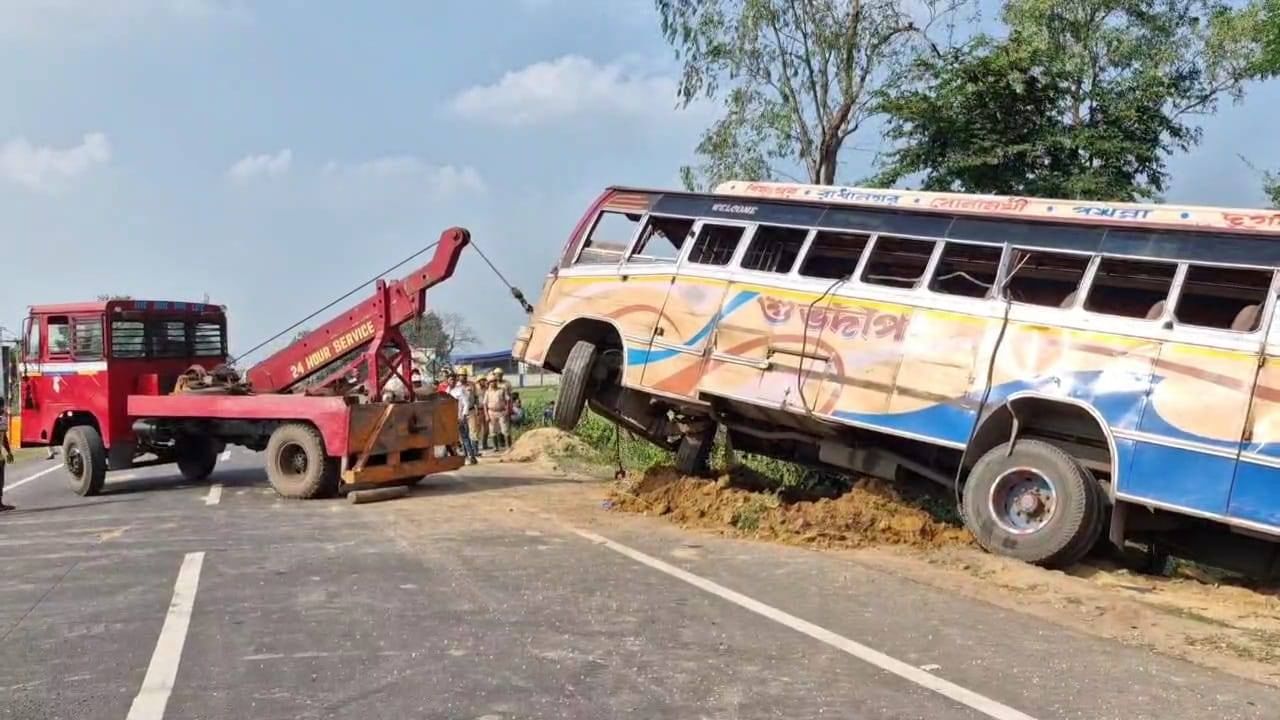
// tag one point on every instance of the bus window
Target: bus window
(1223, 298)
(609, 239)
(86, 338)
(833, 255)
(715, 245)
(898, 262)
(774, 249)
(59, 336)
(661, 240)
(1045, 278)
(968, 270)
(1130, 288)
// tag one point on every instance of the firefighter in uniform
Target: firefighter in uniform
(480, 418)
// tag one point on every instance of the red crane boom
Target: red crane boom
(370, 331)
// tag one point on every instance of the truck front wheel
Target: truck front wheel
(86, 459)
(197, 456)
(297, 465)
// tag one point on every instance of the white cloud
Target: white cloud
(49, 169)
(567, 87)
(438, 179)
(264, 165)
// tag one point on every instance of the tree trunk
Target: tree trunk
(827, 161)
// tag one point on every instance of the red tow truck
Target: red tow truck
(127, 383)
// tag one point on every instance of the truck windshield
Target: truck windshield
(167, 338)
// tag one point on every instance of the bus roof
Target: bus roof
(1151, 215)
(99, 306)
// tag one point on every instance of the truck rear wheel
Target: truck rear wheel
(575, 385)
(297, 465)
(1034, 503)
(197, 456)
(86, 459)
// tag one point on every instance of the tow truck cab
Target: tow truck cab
(81, 361)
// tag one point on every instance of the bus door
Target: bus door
(1189, 438)
(694, 302)
(644, 279)
(1255, 494)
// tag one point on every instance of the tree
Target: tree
(1082, 99)
(798, 78)
(1271, 185)
(442, 333)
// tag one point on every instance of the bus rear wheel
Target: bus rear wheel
(1033, 502)
(693, 456)
(297, 466)
(86, 459)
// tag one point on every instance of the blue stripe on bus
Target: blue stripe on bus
(648, 356)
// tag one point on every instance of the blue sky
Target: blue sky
(273, 154)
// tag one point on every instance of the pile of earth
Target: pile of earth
(869, 513)
(544, 443)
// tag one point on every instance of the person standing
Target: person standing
(460, 393)
(497, 405)
(7, 456)
(482, 416)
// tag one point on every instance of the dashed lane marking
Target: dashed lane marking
(163, 670)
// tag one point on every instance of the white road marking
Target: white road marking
(25, 480)
(215, 494)
(964, 696)
(163, 670)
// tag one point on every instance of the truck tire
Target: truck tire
(85, 459)
(297, 465)
(693, 456)
(1035, 503)
(197, 456)
(575, 385)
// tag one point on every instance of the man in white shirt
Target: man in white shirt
(459, 391)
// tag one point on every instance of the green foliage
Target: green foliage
(747, 517)
(1269, 24)
(797, 78)
(1271, 185)
(1082, 99)
(441, 333)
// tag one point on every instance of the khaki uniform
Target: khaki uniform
(497, 405)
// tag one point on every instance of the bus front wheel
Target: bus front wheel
(1033, 502)
(575, 385)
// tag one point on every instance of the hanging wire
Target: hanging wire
(346, 295)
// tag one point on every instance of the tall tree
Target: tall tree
(441, 333)
(1081, 99)
(797, 78)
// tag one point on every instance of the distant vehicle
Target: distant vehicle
(1067, 367)
(128, 383)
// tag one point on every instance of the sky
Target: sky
(272, 155)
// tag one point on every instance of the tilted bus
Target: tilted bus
(1074, 370)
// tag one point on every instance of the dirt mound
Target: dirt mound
(543, 443)
(871, 513)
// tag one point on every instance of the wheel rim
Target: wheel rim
(292, 460)
(75, 463)
(1023, 500)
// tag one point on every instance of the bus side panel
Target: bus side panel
(763, 352)
(1191, 431)
(688, 320)
(1255, 495)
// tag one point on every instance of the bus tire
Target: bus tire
(197, 456)
(1035, 503)
(86, 459)
(575, 385)
(297, 466)
(693, 456)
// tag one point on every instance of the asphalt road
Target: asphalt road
(472, 599)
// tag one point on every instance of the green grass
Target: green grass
(21, 455)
